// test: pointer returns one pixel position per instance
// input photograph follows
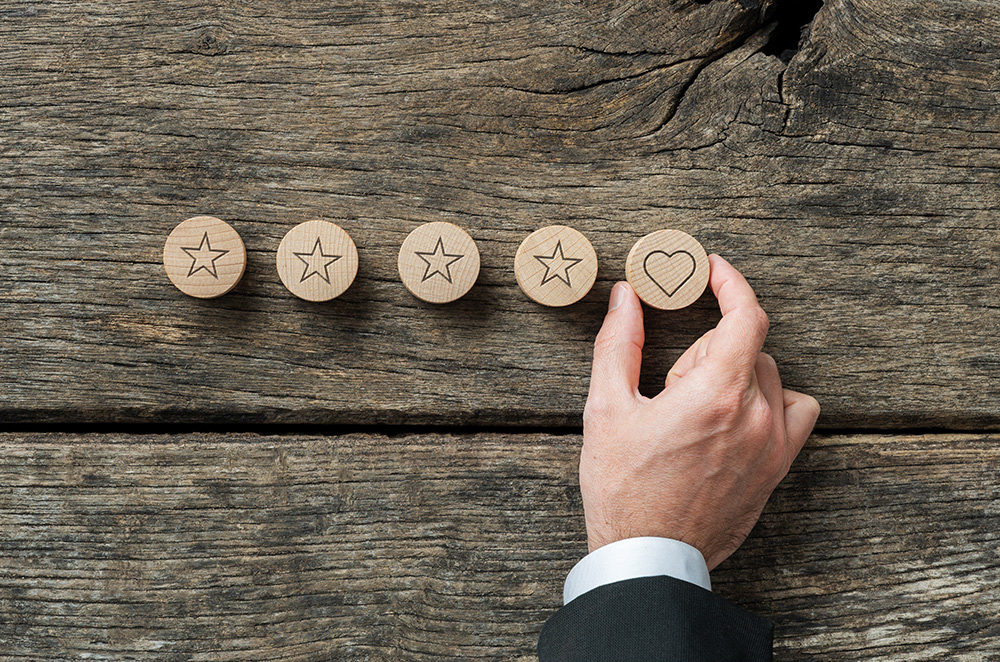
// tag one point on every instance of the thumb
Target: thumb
(801, 412)
(618, 348)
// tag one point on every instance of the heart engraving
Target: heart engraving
(669, 271)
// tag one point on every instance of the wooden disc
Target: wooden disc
(668, 269)
(439, 262)
(204, 257)
(555, 265)
(317, 261)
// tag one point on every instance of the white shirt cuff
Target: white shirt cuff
(633, 558)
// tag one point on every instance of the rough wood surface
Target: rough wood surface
(429, 547)
(856, 184)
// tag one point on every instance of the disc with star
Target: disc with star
(204, 257)
(317, 261)
(556, 265)
(438, 262)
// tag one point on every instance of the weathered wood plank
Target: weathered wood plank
(856, 185)
(426, 547)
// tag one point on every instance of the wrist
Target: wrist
(598, 538)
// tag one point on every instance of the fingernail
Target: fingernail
(617, 297)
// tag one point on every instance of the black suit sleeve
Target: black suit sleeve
(654, 619)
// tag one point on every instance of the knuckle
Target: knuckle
(759, 319)
(605, 341)
(727, 404)
(761, 420)
(611, 338)
(598, 410)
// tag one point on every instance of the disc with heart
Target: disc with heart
(668, 269)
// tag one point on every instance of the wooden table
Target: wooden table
(260, 478)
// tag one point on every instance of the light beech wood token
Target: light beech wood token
(668, 269)
(439, 262)
(555, 265)
(204, 257)
(317, 260)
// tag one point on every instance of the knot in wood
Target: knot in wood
(211, 40)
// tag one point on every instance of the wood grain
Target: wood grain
(439, 546)
(856, 185)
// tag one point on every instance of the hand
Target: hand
(697, 462)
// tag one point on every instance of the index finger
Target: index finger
(739, 335)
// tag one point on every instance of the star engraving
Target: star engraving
(204, 257)
(317, 262)
(557, 265)
(438, 261)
